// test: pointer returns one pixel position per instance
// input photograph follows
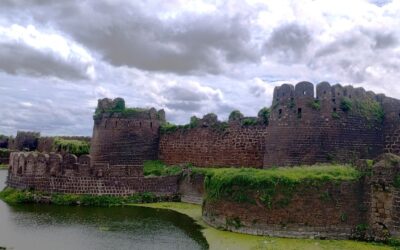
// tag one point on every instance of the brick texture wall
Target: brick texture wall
(308, 213)
(306, 130)
(69, 174)
(236, 146)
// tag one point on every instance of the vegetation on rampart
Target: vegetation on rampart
(15, 196)
(368, 108)
(238, 184)
(75, 147)
(219, 126)
(158, 168)
(119, 107)
(316, 105)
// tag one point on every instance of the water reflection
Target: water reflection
(58, 227)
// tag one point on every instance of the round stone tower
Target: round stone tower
(124, 136)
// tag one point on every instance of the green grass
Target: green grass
(75, 147)
(158, 168)
(15, 196)
(238, 183)
(3, 166)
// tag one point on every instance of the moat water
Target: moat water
(41, 227)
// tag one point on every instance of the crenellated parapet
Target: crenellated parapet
(33, 164)
(329, 123)
(292, 103)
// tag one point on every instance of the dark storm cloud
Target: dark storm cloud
(126, 34)
(20, 59)
(288, 42)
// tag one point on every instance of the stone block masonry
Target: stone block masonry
(368, 208)
(53, 173)
(236, 146)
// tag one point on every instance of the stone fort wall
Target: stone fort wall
(304, 128)
(206, 146)
(368, 208)
(55, 173)
(126, 139)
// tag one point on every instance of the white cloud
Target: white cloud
(188, 57)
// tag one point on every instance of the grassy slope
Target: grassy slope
(158, 168)
(234, 241)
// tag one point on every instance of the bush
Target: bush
(249, 121)
(316, 105)
(346, 104)
(235, 115)
(75, 147)
(370, 109)
(264, 114)
(194, 121)
(335, 115)
(14, 196)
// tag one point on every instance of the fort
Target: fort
(335, 124)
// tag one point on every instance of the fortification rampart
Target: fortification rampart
(54, 173)
(124, 136)
(367, 208)
(217, 146)
(332, 124)
(339, 124)
(307, 214)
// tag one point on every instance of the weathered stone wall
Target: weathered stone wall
(306, 130)
(328, 211)
(235, 145)
(69, 174)
(384, 187)
(120, 139)
(191, 188)
(367, 209)
(392, 125)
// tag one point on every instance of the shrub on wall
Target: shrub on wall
(370, 109)
(75, 147)
(316, 105)
(235, 115)
(264, 114)
(346, 104)
(249, 121)
(194, 121)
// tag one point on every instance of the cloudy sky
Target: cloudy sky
(187, 57)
